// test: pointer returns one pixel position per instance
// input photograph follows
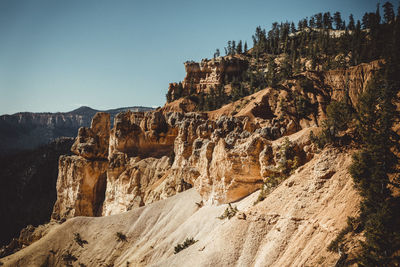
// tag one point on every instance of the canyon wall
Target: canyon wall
(225, 155)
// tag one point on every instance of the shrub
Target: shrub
(188, 242)
(120, 236)
(339, 115)
(68, 258)
(229, 212)
(79, 240)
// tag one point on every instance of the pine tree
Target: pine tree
(351, 26)
(365, 21)
(217, 53)
(292, 28)
(327, 20)
(337, 18)
(245, 47)
(229, 48)
(388, 12)
(377, 160)
(239, 47)
(318, 20)
(312, 22)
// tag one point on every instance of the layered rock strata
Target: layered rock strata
(150, 156)
(82, 178)
(201, 76)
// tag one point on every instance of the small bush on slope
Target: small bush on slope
(229, 212)
(188, 242)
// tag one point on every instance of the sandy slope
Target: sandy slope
(291, 227)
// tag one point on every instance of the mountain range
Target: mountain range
(29, 130)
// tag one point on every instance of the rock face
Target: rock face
(144, 134)
(92, 143)
(80, 187)
(82, 178)
(133, 184)
(200, 77)
(353, 79)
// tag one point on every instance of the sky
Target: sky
(56, 56)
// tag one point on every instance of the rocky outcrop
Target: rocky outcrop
(92, 143)
(155, 155)
(82, 178)
(353, 80)
(144, 134)
(134, 183)
(80, 187)
(200, 77)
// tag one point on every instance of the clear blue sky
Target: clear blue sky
(58, 55)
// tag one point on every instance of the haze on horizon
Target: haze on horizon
(58, 55)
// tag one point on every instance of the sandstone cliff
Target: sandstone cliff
(225, 154)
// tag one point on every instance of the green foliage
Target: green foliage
(370, 171)
(311, 41)
(339, 115)
(339, 118)
(303, 106)
(78, 239)
(188, 242)
(229, 212)
(375, 167)
(120, 236)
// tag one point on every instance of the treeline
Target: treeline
(321, 42)
(233, 49)
(314, 39)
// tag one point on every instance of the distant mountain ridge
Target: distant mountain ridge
(28, 130)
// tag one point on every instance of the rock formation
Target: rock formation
(225, 155)
(82, 178)
(200, 77)
(148, 156)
